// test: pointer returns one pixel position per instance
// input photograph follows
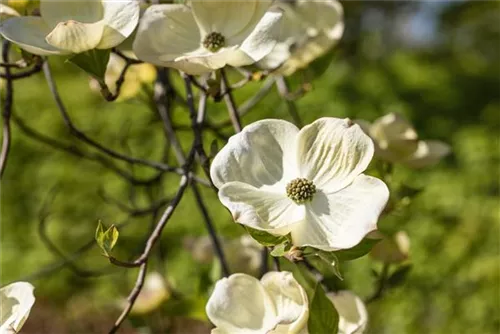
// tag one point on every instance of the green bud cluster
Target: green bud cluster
(300, 190)
(214, 41)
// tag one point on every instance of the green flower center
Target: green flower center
(214, 41)
(300, 190)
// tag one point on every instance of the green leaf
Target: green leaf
(281, 249)
(361, 249)
(323, 317)
(331, 259)
(264, 238)
(94, 62)
(106, 240)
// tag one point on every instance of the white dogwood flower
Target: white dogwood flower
(73, 26)
(16, 300)
(241, 304)
(207, 35)
(279, 179)
(353, 316)
(308, 30)
(397, 141)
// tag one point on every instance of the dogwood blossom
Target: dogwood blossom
(241, 304)
(207, 35)
(397, 141)
(73, 26)
(16, 300)
(309, 30)
(309, 183)
(353, 316)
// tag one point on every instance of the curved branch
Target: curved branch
(6, 110)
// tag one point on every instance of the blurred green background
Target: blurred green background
(438, 63)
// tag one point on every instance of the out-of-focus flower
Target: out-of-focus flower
(353, 316)
(66, 27)
(207, 35)
(243, 254)
(153, 294)
(392, 249)
(276, 178)
(397, 141)
(16, 300)
(309, 29)
(135, 77)
(24, 7)
(242, 304)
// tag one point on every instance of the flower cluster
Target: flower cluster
(298, 192)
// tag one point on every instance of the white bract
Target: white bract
(16, 300)
(73, 26)
(353, 316)
(207, 35)
(308, 30)
(279, 179)
(241, 304)
(397, 141)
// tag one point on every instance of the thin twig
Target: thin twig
(6, 110)
(37, 67)
(251, 102)
(84, 138)
(382, 280)
(284, 91)
(131, 297)
(42, 232)
(230, 104)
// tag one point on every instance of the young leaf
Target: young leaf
(361, 249)
(281, 249)
(331, 259)
(264, 238)
(94, 62)
(106, 240)
(323, 317)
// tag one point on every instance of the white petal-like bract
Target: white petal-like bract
(207, 35)
(257, 170)
(353, 316)
(241, 304)
(397, 141)
(73, 26)
(16, 300)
